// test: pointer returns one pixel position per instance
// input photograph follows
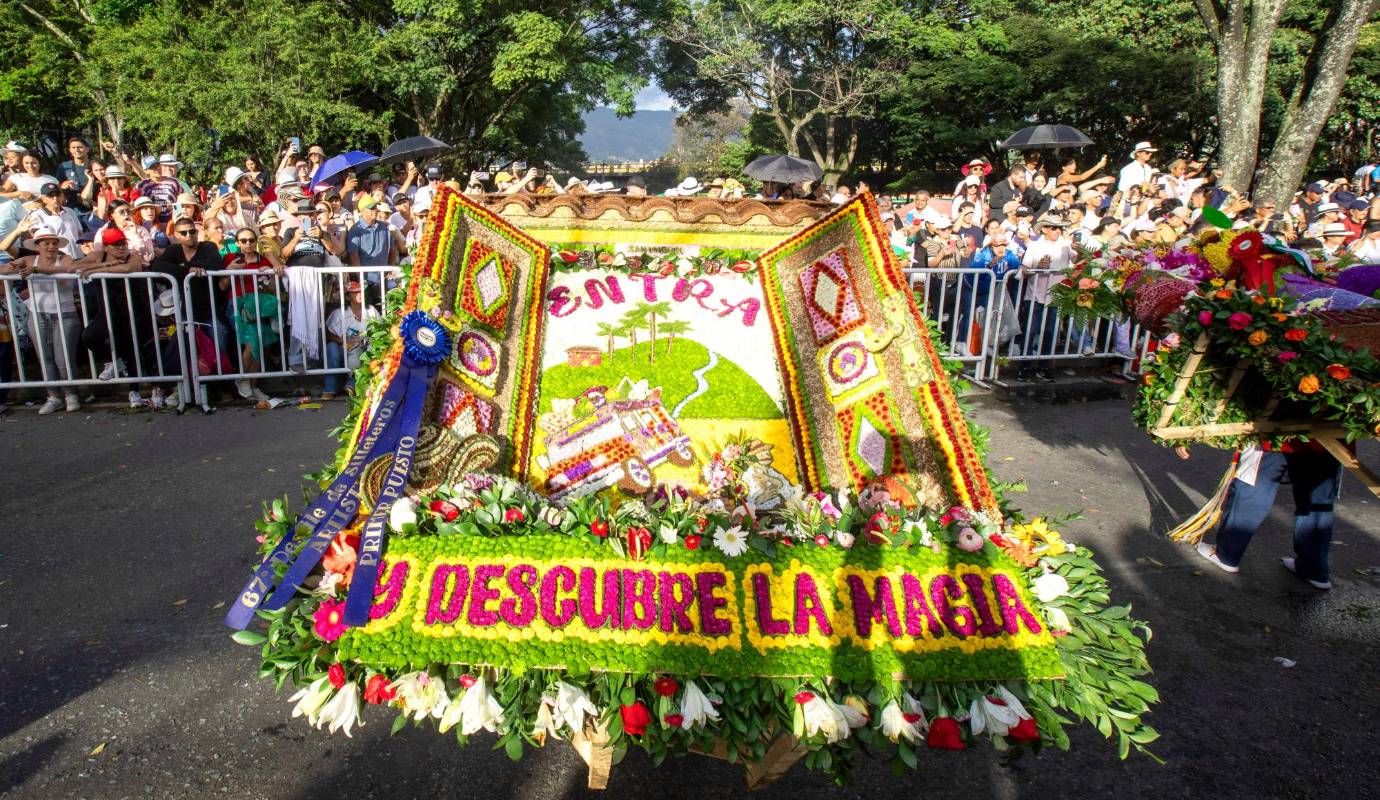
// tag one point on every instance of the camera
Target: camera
(481, 176)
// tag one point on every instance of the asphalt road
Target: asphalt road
(123, 533)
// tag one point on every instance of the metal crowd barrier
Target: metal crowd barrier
(111, 312)
(290, 307)
(976, 316)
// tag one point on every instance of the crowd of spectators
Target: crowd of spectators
(109, 212)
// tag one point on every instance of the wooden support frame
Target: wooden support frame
(783, 751)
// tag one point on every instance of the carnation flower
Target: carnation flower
(329, 620)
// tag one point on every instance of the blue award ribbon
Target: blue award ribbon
(425, 345)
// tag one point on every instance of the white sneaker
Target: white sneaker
(51, 405)
(1289, 564)
(242, 386)
(135, 401)
(259, 395)
(1210, 553)
(113, 369)
(157, 400)
(73, 404)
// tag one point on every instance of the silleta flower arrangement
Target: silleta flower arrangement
(718, 613)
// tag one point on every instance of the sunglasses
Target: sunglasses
(186, 232)
(246, 241)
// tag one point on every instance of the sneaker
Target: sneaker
(1044, 377)
(242, 386)
(52, 405)
(135, 401)
(258, 394)
(156, 400)
(1088, 350)
(73, 404)
(327, 396)
(1289, 564)
(112, 369)
(1210, 553)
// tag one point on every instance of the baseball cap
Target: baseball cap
(1023, 211)
(1358, 205)
(111, 236)
(48, 189)
(366, 201)
(1010, 207)
(402, 197)
(1316, 187)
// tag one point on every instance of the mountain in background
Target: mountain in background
(644, 136)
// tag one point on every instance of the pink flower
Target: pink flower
(329, 620)
(1285, 356)
(1204, 318)
(1088, 283)
(467, 680)
(1171, 341)
(1239, 321)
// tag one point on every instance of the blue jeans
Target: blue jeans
(335, 359)
(1316, 478)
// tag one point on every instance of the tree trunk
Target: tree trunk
(1323, 80)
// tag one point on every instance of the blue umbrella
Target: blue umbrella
(336, 166)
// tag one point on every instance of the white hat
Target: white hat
(143, 202)
(169, 159)
(15, 147)
(688, 187)
(287, 176)
(971, 180)
(44, 232)
(232, 176)
(1144, 146)
(573, 181)
(115, 171)
(1335, 229)
(1326, 207)
(671, 192)
(166, 304)
(941, 221)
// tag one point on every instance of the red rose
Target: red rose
(692, 541)
(514, 515)
(1285, 356)
(336, 675)
(1025, 731)
(467, 680)
(804, 697)
(666, 686)
(1296, 334)
(599, 528)
(673, 720)
(1239, 321)
(635, 718)
(377, 691)
(945, 735)
(1338, 372)
(448, 511)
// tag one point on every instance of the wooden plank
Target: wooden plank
(1312, 428)
(1233, 383)
(781, 755)
(1190, 366)
(593, 747)
(1363, 473)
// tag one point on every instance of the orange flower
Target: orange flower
(1338, 372)
(341, 555)
(1279, 317)
(1296, 334)
(1308, 384)
(1258, 300)
(1257, 338)
(1223, 294)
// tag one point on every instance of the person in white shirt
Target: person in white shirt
(1183, 177)
(1139, 171)
(1367, 248)
(345, 337)
(55, 216)
(1045, 256)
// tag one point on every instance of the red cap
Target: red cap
(111, 236)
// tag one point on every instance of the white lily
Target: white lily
(996, 715)
(573, 706)
(402, 513)
(479, 710)
(903, 720)
(732, 542)
(1057, 619)
(343, 711)
(418, 695)
(853, 711)
(546, 724)
(668, 534)
(1050, 586)
(451, 716)
(310, 699)
(825, 716)
(695, 707)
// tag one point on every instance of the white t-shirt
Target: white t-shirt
(65, 222)
(344, 324)
(1060, 253)
(1134, 174)
(1367, 250)
(25, 182)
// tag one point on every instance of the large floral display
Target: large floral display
(680, 476)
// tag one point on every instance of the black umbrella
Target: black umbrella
(1047, 137)
(783, 169)
(413, 148)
